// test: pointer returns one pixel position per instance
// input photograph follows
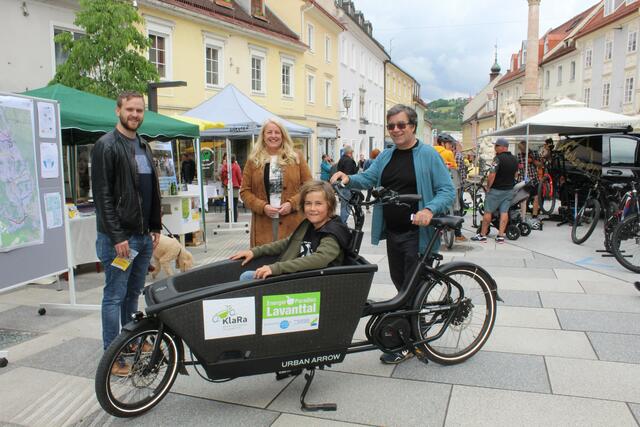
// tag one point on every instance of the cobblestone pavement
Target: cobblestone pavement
(565, 351)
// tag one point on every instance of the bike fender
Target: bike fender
(444, 268)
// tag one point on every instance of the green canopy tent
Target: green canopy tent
(85, 117)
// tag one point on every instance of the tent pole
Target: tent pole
(526, 158)
(201, 185)
(229, 184)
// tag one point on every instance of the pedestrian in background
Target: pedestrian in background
(236, 181)
(188, 168)
(325, 167)
(271, 182)
(347, 166)
(127, 200)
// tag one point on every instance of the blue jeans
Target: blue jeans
(121, 288)
(344, 211)
(247, 275)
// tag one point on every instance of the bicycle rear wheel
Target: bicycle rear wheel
(137, 386)
(470, 324)
(586, 221)
(625, 243)
(546, 198)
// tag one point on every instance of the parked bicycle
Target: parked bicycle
(625, 238)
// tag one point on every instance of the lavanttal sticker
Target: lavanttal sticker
(231, 317)
(282, 314)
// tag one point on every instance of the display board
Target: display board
(33, 239)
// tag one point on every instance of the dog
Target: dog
(170, 249)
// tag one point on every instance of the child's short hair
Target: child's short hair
(323, 187)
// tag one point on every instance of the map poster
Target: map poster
(21, 222)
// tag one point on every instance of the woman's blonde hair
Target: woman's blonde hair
(322, 187)
(287, 155)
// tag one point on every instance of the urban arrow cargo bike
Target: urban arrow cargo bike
(207, 319)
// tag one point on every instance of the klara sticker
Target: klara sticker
(230, 317)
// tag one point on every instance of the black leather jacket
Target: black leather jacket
(114, 180)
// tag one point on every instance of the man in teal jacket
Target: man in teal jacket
(410, 167)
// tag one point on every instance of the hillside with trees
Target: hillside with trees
(446, 114)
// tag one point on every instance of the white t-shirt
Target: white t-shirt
(275, 182)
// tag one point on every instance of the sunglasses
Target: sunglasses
(399, 125)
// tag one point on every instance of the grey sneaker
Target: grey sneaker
(479, 238)
(499, 239)
(395, 358)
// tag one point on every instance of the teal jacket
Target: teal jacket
(433, 183)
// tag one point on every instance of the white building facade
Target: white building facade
(361, 79)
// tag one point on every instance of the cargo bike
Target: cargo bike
(226, 329)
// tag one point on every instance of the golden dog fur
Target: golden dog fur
(168, 250)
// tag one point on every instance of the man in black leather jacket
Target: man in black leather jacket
(127, 197)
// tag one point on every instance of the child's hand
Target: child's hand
(247, 255)
(263, 272)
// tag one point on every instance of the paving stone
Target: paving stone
(583, 274)
(46, 398)
(599, 321)
(596, 379)
(609, 288)
(518, 298)
(89, 327)
(78, 357)
(380, 292)
(636, 411)
(528, 317)
(289, 420)
(26, 318)
(539, 273)
(484, 369)
(367, 363)
(617, 303)
(542, 261)
(525, 283)
(5, 306)
(496, 261)
(496, 408)
(616, 347)
(11, 337)
(257, 390)
(177, 410)
(544, 342)
(368, 400)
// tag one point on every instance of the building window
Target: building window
(327, 49)
(158, 54)
(311, 88)
(572, 71)
(311, 37)
(587, 96)
(547, 79)
(345, 52)
(363, 63)
(587, 58)
(212, 66)
(362, 104)
(632, 43)
(606, 89)
(327, 93)
(628, 90)
(608, 49)
(257, 73)
(287, 77)
(559, 75)
(60, 55)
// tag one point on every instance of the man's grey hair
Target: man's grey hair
(410, 112)
(347, 149)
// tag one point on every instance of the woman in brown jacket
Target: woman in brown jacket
(271, 185)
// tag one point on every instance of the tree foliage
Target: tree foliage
(109, 58)
(446, 114)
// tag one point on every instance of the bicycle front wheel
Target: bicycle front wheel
(586, 221)
(546, 198)
(127, 383)
(461, 333)
(625, 243)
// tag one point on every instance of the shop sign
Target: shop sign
(327, 132)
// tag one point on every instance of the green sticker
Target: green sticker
(290, 313)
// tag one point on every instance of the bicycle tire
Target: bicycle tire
(546, 198)
(137, 379)
(588, 216)
(628, 255)
(449, 237)
(423, 327)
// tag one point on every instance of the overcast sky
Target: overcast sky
(448, 46)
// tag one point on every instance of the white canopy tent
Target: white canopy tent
(568, 117)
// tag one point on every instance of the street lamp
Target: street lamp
(346, 101)
(152, 89)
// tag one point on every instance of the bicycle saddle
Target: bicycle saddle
(447, 221)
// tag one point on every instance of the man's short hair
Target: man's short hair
(348, 149)
(127, 95)
(410, 112)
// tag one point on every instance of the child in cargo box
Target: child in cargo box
(319, 241)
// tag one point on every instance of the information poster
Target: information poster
(20, 210)
(49, 160)
(47, 120)
(53, 209)
(163, 162)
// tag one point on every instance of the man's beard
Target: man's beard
(124, 124)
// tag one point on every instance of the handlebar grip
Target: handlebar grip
(409, 198)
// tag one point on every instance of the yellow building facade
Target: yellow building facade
(399, 88)
(320, 67)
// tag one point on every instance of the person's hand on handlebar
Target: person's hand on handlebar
(422, 217)
(247, 255)
(340, 176)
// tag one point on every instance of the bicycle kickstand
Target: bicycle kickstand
(308, 407)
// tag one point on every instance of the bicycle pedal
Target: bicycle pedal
(421, 356)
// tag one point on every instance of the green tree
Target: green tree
(109, 58)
